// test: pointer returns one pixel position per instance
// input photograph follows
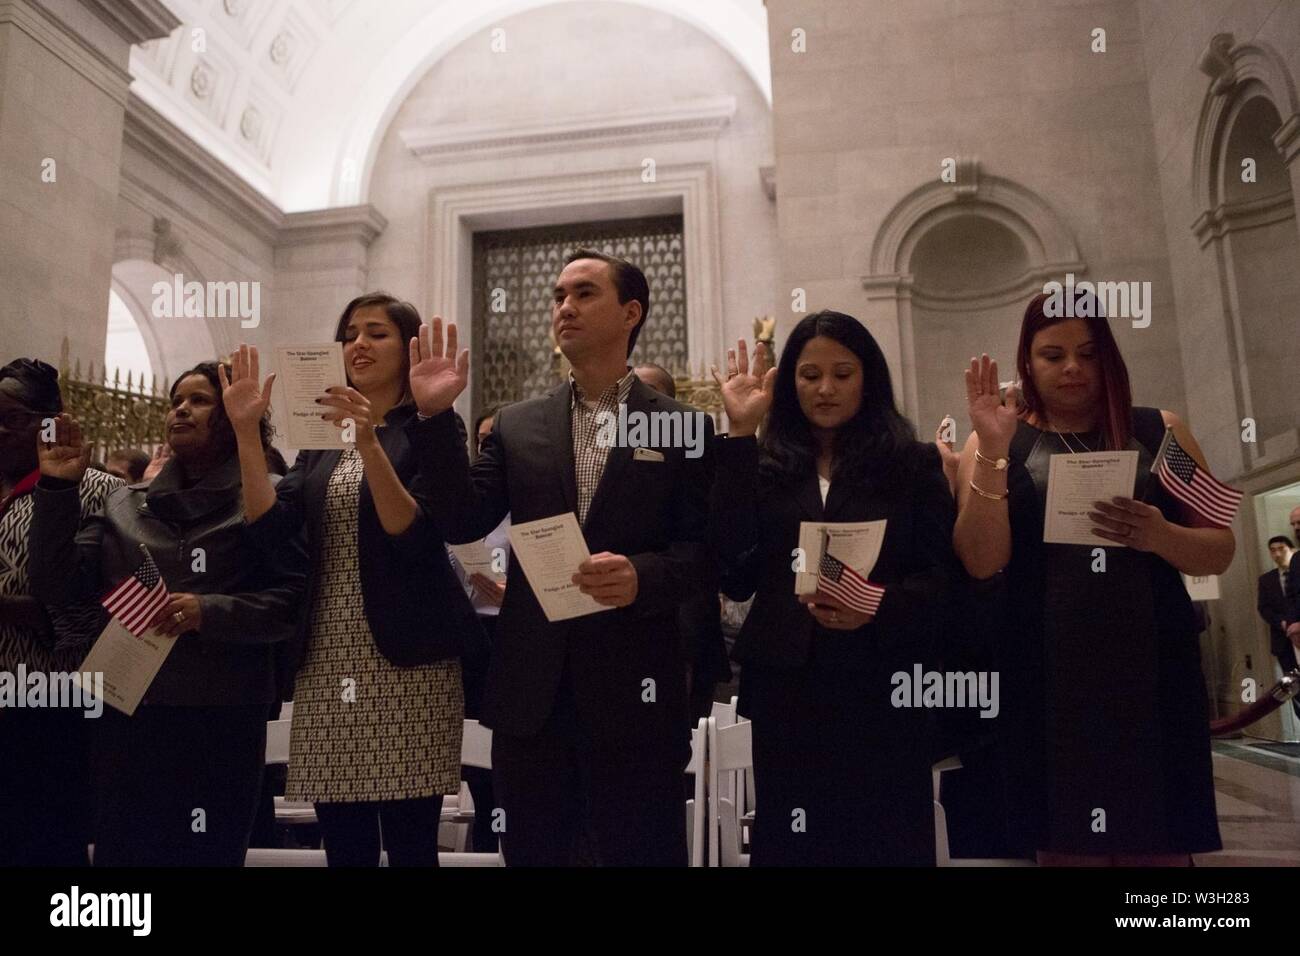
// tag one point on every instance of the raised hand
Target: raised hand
(746, 395)
(66, 457)
(438, 374)
(160, 457)
(245, 403)
(991, 416)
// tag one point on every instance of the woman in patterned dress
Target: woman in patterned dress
(378, 705)
(44, 770)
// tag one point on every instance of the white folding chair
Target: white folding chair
(475, 751)
(695, 807)
(725, 715)
(287, 812)
(730, 749)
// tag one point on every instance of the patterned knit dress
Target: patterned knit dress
(364, 729)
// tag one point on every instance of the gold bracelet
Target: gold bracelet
(998, 464)
(984, 494)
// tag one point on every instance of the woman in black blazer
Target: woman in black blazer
(378, 706)
(842, 775)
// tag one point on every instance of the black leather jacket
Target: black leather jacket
(197, 537)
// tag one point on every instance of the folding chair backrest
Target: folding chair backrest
(730, 749)
(725, 714)
(277, 741)
(476, 745)
(696, 809)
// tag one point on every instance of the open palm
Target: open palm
(991, 416)
(438, 373)
(66, 457)
(244, 402)
(747, 393)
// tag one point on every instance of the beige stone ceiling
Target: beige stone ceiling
(293, 95)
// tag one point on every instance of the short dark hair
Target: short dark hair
(670, 387)
(629, 281)
(136, 461)
(1281, 539)
(402, 314)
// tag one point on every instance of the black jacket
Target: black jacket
(1273, 608)
(655, 512)
(1293, 589)
(249, 599)
(414, 603)
(755, 523)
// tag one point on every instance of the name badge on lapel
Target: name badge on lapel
(647, 454)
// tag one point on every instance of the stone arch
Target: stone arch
(172, 344)
(1037, 246)
(1237, 73)
(1249, 229)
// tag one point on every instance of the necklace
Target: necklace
(1071, 447)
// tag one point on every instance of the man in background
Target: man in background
(1272, 604)
(128, 464)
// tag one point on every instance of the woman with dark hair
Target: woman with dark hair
(44, 778)
(377, 719)
(1108, 755)
(842, 775)
(178, 781)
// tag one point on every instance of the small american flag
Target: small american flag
(838, 580)
(138, 598)
(1194, 486)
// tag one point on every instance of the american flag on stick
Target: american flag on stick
(1193, 485)
(838, 580)
(138, 598)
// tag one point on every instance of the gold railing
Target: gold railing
(113, 413)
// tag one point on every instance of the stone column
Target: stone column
(320, 264)
(63, 92)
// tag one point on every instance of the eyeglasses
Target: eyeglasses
(17, 420)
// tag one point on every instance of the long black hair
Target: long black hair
(875, 446)
(220, 430)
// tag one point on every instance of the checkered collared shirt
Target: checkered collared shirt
(589, 457)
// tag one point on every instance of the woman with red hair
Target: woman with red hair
(1106, 740)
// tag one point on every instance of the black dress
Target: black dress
(1107, 745)
(841, 775)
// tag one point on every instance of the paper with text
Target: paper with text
(304, 372)
(129, 664)
(1075, 483)
(550, 550)
(856, 543)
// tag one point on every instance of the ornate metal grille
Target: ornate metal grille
(113, 414)
(514, 274)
